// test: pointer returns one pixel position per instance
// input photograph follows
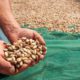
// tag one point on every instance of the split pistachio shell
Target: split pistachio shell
(6, 54)
(21, 63)
(13, 47)
(22, 55)
(33, 56)
(18, 59)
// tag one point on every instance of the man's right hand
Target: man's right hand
(5, 66)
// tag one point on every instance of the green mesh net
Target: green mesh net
(62, 61)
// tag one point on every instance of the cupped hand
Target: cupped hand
(28, 33)
(5, 66)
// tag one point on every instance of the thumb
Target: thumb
(4, 63)
(1, 44)
(13, 38)
(39, 37)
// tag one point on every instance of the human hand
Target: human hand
(5, 66)
(21, 32)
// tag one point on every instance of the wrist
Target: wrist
(8, 23)
(7, 20)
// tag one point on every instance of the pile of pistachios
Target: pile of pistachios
(23, 51)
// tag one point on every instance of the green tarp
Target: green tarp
(62, 61)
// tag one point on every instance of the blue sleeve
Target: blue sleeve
(3, 37)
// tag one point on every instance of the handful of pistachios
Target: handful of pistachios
(23, 51)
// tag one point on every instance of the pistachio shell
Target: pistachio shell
(21, 63)
(6, 54)
(18, 59)
(9, 59)
(18, 66)
(26, 61)
(33, 56)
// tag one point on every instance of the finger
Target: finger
(4, 72)
(4, 63)
(7, 71)
(44, 52)
(33, 63)
(44, 49)
(1, 44)
(1, 41)
(41, 57)
(13, 39)
(39, 37)
(37, 61)
(25, 66)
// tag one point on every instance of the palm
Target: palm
(25, 33)
(4, 65)
(29, 34)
